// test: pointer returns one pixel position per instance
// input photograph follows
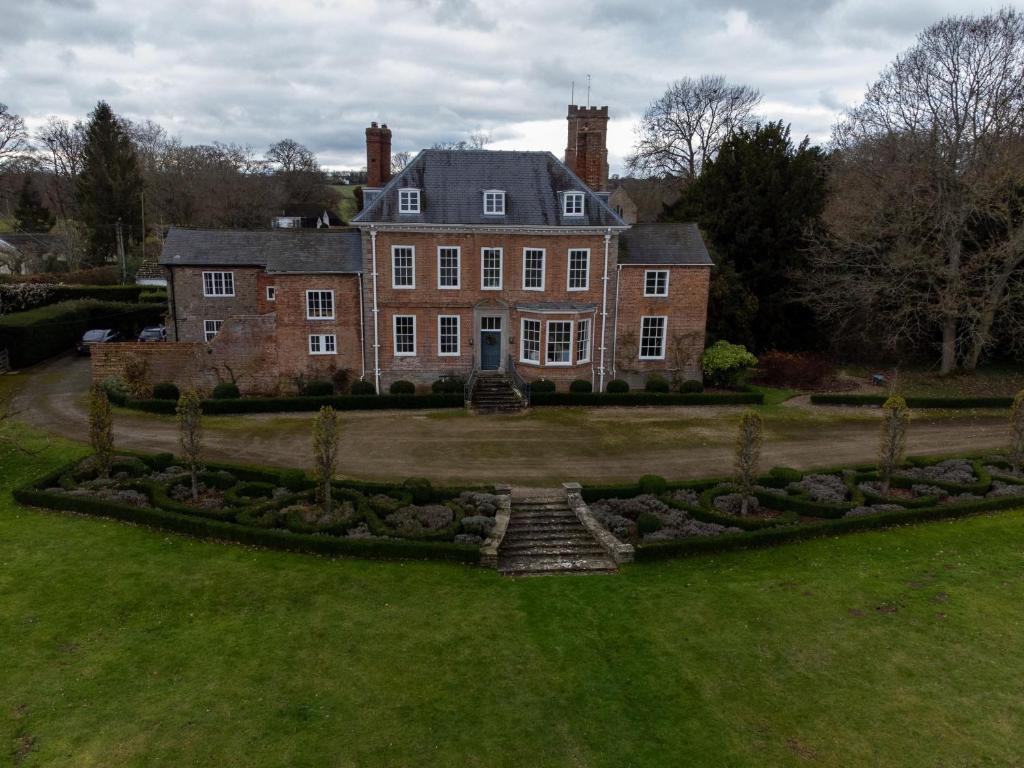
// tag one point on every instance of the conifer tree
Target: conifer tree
(109, 186)
(748, 454)
(30, 215)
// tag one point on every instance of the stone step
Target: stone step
(563, 523)
(526, 566)
(570, 549)
(528, 544)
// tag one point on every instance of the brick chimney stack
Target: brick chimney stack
(378, 155)
(586, 152)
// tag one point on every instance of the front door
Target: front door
(490, 343)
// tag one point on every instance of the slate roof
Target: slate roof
(663, 244)
(452, 183)
(279, 250)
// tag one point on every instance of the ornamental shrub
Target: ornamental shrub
(893, 438)
(363, 388)
(648, 522)
(542, 385)
(421, 489)
(402, 387)
(189, 414)
(723, 363)
(691, 387)
(293, 479)
(453, 385)
(226, 390)
(581, 385)
(165, 390)
(786, 474)
(101, 429)
(617, 386)
(748, 453)
(656, 383)
(318, 388)
(325, 454)
(653, 484)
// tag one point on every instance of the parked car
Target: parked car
(97, 336)
(153, 333)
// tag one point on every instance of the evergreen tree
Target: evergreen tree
(755, 202)
(30, 215)
(109, 186)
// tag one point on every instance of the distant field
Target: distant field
(347, 205)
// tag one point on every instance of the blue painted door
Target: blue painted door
(490, 350)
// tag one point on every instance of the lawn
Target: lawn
(991, 381)
(124, 646)
(348, 207)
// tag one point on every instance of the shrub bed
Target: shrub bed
(915, 402)
(302, 403)
(645, 398)
(276, 509)
(788, 505)
(38, 334)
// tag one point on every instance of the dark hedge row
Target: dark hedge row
(38, 334)
(645, 398)
(304, 403)
(916, 402)
(34, 494)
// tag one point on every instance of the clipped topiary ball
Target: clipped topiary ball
(653, 484)
(363, 388)
(318, 389)
(421, 489)
(542, 385)
(657, 383)
(402, 387)
(226, 391)
(648, 522)
(617, 386)
(448, 385)
(691, 387)
(581, 385)
(293, 479)
(165, 390)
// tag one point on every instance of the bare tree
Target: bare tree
(288, 155)
(14, 143)
(399, 160)
(64, 144)
(925, 223)
(893, 438)
(474, 140)
(325, 453)
(683, 129)
(189, 413)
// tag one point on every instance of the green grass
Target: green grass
(123, 646)
(991, 381)
(347, 205)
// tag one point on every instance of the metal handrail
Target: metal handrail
(518, 382)
(470, 383)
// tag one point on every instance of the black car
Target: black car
(153, 333)
(97, 336)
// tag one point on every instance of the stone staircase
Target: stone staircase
(494, 392)
(545, 536)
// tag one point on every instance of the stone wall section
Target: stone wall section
(192, 307)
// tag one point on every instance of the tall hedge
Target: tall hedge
(23, 297)
(38, 334)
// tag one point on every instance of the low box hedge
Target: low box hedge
(915, 402)
(301, 403)
(645, 398)
(38, 334)
(35, 494)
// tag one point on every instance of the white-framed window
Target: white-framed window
(572, 203)
(652, 337)
(323, 344)
(408, 200)
(656, 282)
(449, 274)
(319, 305)
(583, 341)
(448, 335)
(529, 342)
(211, 328)
(559, 342)
(490, 269)
(533, 269)
(579, 269)
(490, 323)
(218, 283)
(494, 202)
(403, 266)
(405, 335)
(271, 293)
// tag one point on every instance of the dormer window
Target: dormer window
(494, 202)
(572, 204)
(408, 201)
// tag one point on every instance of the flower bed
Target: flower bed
(277, 509)
(682, 518)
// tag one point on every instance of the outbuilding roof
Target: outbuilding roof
(671, 244)
(279, 250)
(452, 185)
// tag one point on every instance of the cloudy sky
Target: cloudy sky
(318, 71)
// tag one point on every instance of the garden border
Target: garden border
(952, 403)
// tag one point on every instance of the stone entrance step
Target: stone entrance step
(494, 392)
